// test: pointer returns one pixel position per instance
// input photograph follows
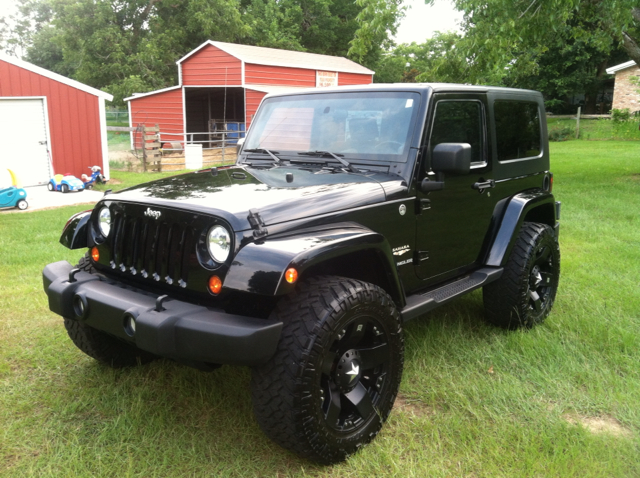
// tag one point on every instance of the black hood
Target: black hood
(233, 191)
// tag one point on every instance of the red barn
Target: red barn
(49, 123)
(225, 82)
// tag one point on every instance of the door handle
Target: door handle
(482, 185)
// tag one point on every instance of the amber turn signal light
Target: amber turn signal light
(291, 275)
(215, 284)
(95, 254)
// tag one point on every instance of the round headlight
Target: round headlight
(104, 221)
(219, 243)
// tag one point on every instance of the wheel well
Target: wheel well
(543, 214)
(367, 265)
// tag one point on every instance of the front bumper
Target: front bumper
(170, 328)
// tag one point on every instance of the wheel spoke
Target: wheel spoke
(374, 356)
(543, 256)
(334, 409)
(546, 279)
(361, 399)
(328, 360)
(537, 303)
(354, 334)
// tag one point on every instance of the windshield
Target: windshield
(368, 125)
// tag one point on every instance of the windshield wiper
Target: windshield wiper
(343, 161)
(263, 151)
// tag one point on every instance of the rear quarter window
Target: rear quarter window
(518, 133)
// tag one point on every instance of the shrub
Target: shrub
(620, 115)
(561, 133)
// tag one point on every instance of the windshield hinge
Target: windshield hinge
(257, 224)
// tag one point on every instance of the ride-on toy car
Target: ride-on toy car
(95, 178)
(13, 196)
(65, 183)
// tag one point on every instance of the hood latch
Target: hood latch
(257, 224)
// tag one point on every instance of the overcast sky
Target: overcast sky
(422, 21)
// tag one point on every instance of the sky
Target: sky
(422, 21)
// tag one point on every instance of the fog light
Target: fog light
(95, 254)
(80, 306)
(291, 275)
(215, 285)
(129, 325)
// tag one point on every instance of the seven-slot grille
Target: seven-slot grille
(151, 248)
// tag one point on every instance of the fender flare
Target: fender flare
(515, 212)
(76, 231)
(259, 267)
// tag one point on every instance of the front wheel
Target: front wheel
(336, 372)
(64, 188)
(22, 204)
(525, 293)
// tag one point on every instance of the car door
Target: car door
(452, 222)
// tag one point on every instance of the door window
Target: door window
(460, 121)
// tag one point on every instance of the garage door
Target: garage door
(23, 139)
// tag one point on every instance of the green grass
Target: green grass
(475, 401)
(125, 179)
(601, 129)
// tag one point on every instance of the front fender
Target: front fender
(536, 205)
(259, 267)
(75, 232)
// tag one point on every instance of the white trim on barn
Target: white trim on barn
(155, 92)
(102, 112)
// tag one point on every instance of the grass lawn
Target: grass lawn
(562, 400)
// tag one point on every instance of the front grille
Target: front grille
(150, 248)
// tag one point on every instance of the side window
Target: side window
(460, 121)
(517, 129)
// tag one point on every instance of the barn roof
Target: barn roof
(293, 59)
(621, 66)
(55, 76)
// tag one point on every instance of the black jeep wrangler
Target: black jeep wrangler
(349, 212)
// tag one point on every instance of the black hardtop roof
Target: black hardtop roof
(418, 87)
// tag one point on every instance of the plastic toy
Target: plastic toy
(13, 196)
(96, 177)
(65, 183)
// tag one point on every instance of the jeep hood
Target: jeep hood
(278, 194)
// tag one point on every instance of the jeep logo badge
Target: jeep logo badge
(151, 213)
(402, 210)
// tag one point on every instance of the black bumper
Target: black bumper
(179, 330)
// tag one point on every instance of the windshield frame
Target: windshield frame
(270, 102)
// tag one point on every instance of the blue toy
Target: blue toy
(65, 183)
(13, 196)
(96, 177)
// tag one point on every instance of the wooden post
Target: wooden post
(578, 123)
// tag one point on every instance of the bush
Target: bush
(620, 115)
(561, 133)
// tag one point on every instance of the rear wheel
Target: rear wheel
(50, 186)
(101, 346)
(334, 378)
(524, 295)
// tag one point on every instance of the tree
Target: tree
(497, 31)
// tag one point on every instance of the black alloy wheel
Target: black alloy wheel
(524, 295)
(336, 372)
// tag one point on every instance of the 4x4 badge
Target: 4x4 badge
(151, 213)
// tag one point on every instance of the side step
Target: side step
(422, 303)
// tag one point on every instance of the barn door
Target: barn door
(23, 139)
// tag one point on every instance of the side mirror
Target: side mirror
(452, 158)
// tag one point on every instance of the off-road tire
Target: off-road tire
(100, 346)
(524, 295)
(322, 354)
